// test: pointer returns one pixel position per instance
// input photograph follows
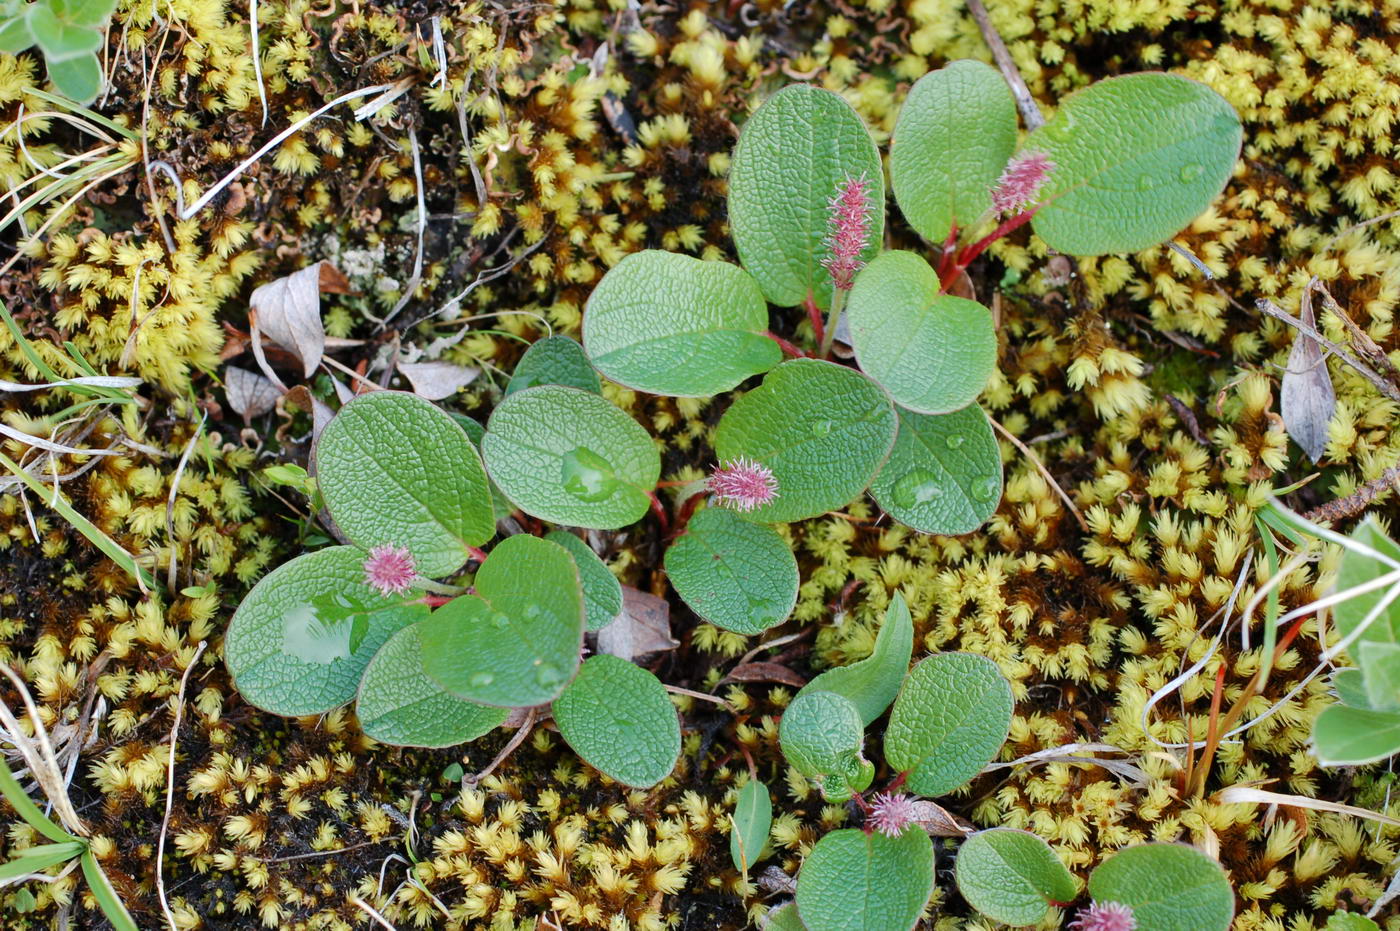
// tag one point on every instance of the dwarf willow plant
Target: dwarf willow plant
(68, 32)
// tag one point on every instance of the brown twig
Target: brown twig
(1040, 467)
(1357, 501)
(1385, 387)
(170, 786)
(1030, 110)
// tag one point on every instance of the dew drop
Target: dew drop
(531, 612)
(1191, 171)
(1146, 182)
(1060, 128)
(481, 679)
(917, 487)
(548, 675)
(985, 489)
(822, 427)
(586, 475)
(500, 621)
(954, 440)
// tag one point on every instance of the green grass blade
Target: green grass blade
(39, 858)
(1266, 658)
(24, 805)
(75, 107)
(105, 895)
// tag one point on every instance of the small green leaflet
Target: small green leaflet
(1358, 569)
(872, 683)
(36, 859)
(1351, 688)
(1350, 921)
(515, 643)
(784, 919)
(568, 456)
(396, 470)
(1012, 877)
(950, 719)
(1381, 664)
(554, 360)
(271, 644)
(732, 572)
(853, 881)
(1169, 887)
(801, 132)
(398, 704)
(1136, 158)
(602, 592)
(822, 428)
(944, 474)
(932, 352)
(752, 819)
(618, 717)
(954, 135)
(1347, 736)
(821, 734)
(666, 323)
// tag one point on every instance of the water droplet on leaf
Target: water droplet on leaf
(985, 489)
(548, 675)
(586, 475)
(1191, 171)
(954, 440)
(481, 679)
(917, 487)
(500, 621)
(1146, 182)
(822, 427)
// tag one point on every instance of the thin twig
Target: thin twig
(368, 909)
(1040, 467)
(515, 741)
(170, 503)
(1384, 387)
(1030, 110)
(257, 64)
(170, 787)
(417, 279)
(703, 696)
(1356, 502)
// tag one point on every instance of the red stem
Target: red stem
(969, 253)
(945, 264)
(477, 554)
(686, 512)
(660, 512)
(814, 314)
(787, 347)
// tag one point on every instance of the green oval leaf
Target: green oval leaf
(932, 352)
(554, 360)
(1012, 876)
(602, 592)
(568, 456)
(1358, 569)
(289, 645)
(944, 474)
(398, 704)
(618, 717)
(950, 719)
(954, 135)
(822, 428)
(752, 820)
(1347, 736)
(79, 79)
(394, 469)
(1350, 921)
(1136, 158)
(1169, 887)
(791, 156)
(515, 643)
(1351, 688)
(783, 919)
(670, 324)
(732, 572)
(821, 735)
(872, 683)
(853, 881)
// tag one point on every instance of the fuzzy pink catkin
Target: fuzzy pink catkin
(389, 569)
(1104, 916)
(891, 813)
(742, 484)
(848, 225)
(1021, 181)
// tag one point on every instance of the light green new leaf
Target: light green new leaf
(821, 735)
(950, 719)
(1350, 921)
(602, 592)
(823, 429)
(944, 474)
(78, 78)
(568, 456)
(398, 704)
(15, 36)
(732, 572)
(515, 642)
(1358, 569)
(618, 717)
(932, 352)
(666, 323)
(1169, 887)
(1380, 664)
(752, 820)
(271, 647)
(954, 135)
(784, 919)
(872, 683)
(1347, 736)
(1136, 159)
(35, 859)
(1012, 876)
(853, 881)
(554, 360)
(1351, 688)
(396, 470)
(60, 40)
(92, 13)
(792, 155)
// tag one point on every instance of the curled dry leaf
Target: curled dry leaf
(764, 672)
(301, 399)
(249, 394)
(939, 821)
(437, 380)
(1307, 397)
(644, 626)
(289, 310)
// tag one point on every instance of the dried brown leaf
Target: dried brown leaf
(437, 380)
(289, 311)
(249, 394)
(939, 821)
(1307, 398)
(644, 626)
(764, 672)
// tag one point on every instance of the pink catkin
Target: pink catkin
(1021, 181)
(849, 225)
(1104, 916)
(742, 484)
(389, 569)
(891, 813)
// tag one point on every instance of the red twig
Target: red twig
(660, 512)
(786, 346)
(814, 314)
